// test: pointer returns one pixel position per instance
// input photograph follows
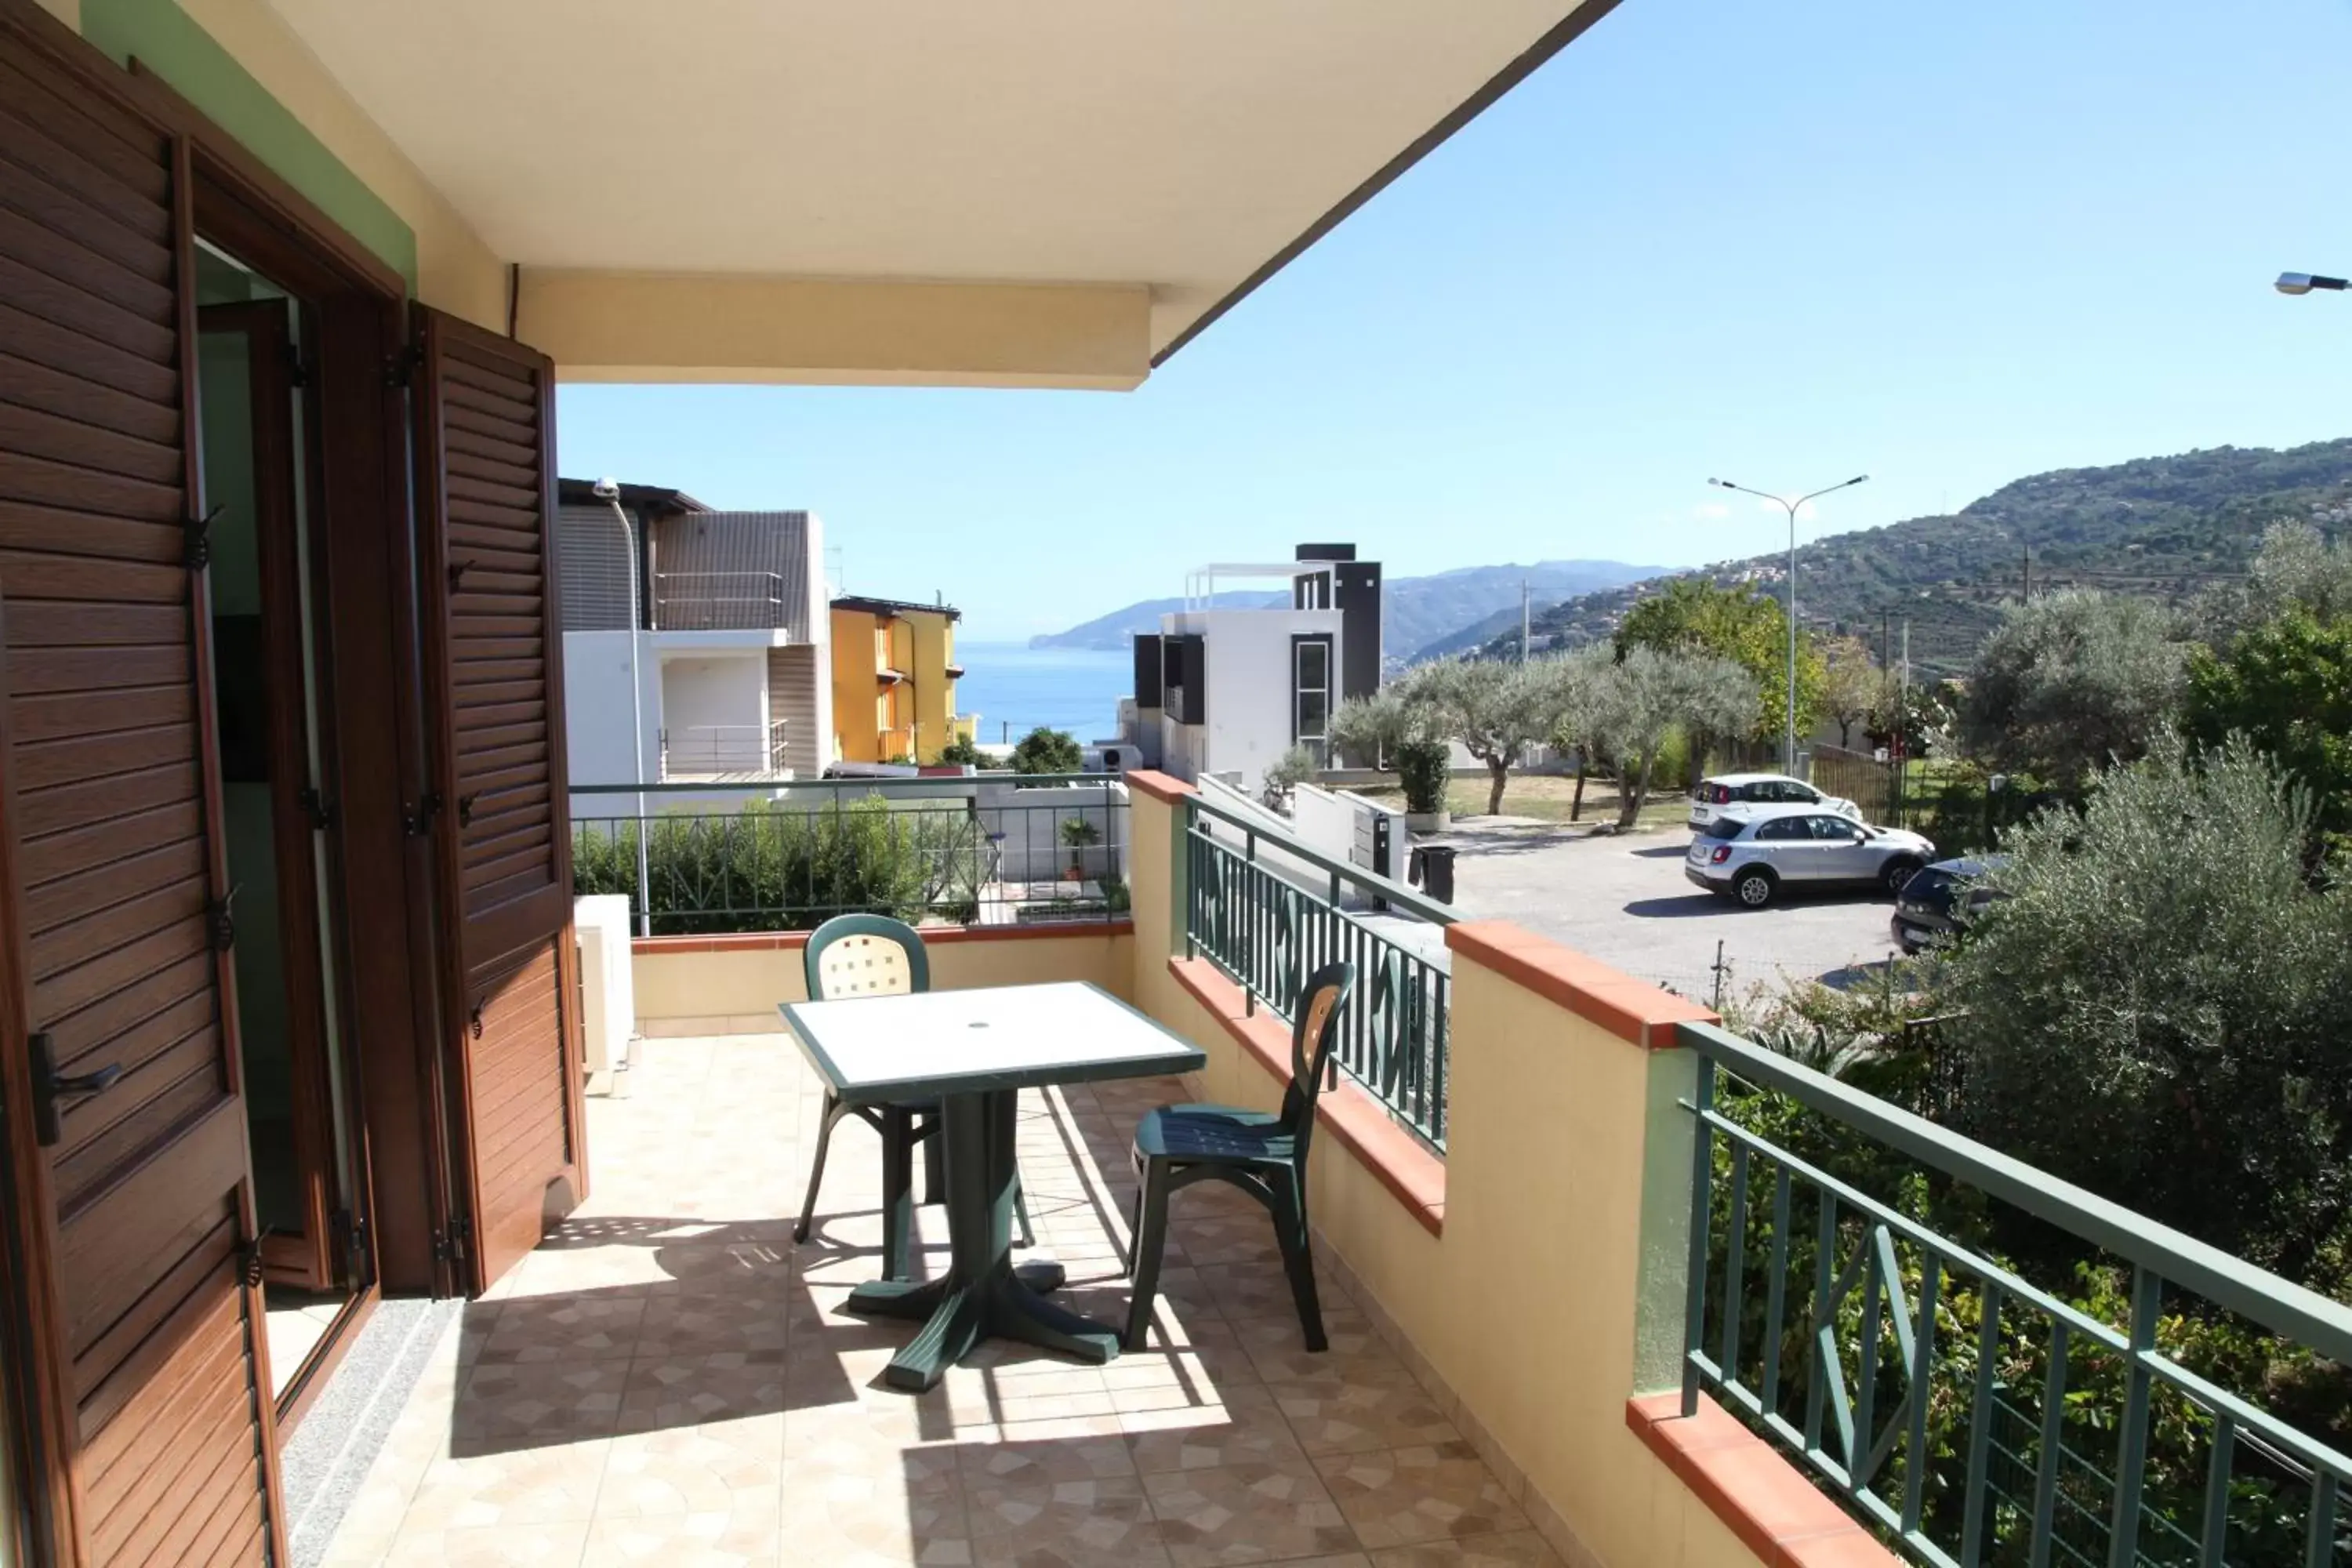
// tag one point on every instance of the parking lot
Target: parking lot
(1624, 901)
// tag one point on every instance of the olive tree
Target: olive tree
(2152, 1009)
(2071, 681)
(1647, 696)
(1853, 686)
(1391, 729)
(1497, 711)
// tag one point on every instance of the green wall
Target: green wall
(165, 39)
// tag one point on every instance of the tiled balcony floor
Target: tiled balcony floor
(669, 1380)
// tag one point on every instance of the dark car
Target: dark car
(1923, 909)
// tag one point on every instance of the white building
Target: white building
(731, 644)
(1227, 691)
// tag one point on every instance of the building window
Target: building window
(1310, 696)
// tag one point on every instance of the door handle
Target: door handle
(51, 1088)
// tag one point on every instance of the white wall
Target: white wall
(596, 717)
(728, 692)
(1250, 683)
(1326, 819)
(1031, 821)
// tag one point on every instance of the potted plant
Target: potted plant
(1079, 834)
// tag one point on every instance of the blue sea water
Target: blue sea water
(1015, 687)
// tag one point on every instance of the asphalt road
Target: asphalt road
(1626, 902)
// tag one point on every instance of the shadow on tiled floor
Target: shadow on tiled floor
(668, 1379)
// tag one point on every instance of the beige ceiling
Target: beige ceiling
(1181, 145)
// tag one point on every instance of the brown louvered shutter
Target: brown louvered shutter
(113, 842)
(485, 416)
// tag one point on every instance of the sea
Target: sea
(1015, 687)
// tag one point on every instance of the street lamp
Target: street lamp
(2305, 282)
(1789, 762)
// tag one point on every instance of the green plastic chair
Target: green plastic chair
(1262, 1154)
(874, 955)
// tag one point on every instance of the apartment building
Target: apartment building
(1225, 691)
(894, 680)
(730, 638)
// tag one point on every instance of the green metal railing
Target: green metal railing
(1969, 1414)
(1250, 909)
(788, 856)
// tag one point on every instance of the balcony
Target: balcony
(723, 753)
(719, 601)
(1556, 1239)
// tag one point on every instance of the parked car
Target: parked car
(1929, 906)
(1751, 852)
(1761, 789)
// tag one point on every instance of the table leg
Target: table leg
(982, 1293)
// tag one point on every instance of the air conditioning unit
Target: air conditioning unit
(608, 993)
(1112, 758)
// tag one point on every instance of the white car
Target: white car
(1750, 853)
(1760, 789)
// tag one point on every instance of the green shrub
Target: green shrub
(767, 868)
(961, 751)
(1044, 750)
(1424, 769)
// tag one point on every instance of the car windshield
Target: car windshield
(1725, 827)
(1928, 883)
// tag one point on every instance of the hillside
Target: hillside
(2161, 527)
(1413, 610)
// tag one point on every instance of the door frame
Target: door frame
(362, 508)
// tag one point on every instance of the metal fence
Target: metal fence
(1970, 1415)
(723, 748)
(1265, 908)
(790, 856)
(718, 600)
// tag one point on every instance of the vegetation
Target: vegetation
(1286, 773)
(2164, 529)
(1044, 750)
(1424, 772)
(1854, 687)
(769, 868)
(961, 751)
(1080, 835)
(1497, 711)
(1748, 627)
(2286, 684)
(2070, 682)
(1645, 699)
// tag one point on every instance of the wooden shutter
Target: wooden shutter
(113, 827)
(484, 417)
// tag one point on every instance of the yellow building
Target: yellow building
(894, 680)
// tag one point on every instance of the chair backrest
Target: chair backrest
(865, 955)
(1311, 1041)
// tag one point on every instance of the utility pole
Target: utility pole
(1523, 620)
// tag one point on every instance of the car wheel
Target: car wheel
(1753, 888)
(1896, 872)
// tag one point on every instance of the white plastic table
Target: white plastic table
(974, 1051)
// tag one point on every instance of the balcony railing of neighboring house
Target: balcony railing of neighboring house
(719, 601)
(1974, 1413)
(931, 851)
(1268, 911)
(706, 751)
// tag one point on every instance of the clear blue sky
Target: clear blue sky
(1950, 244)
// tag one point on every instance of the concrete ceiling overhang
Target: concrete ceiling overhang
(1128, 169)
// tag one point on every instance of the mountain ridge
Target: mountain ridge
(2163, 527)
(1413, 610)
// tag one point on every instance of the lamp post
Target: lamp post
(1789, 758)
(2305, 282)
(609, 492)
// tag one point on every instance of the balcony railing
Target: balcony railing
(1268, 909)
(718, 600)
(936, 851)
(701, 750)
(1974, 1413)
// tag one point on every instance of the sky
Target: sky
(1946, 245)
